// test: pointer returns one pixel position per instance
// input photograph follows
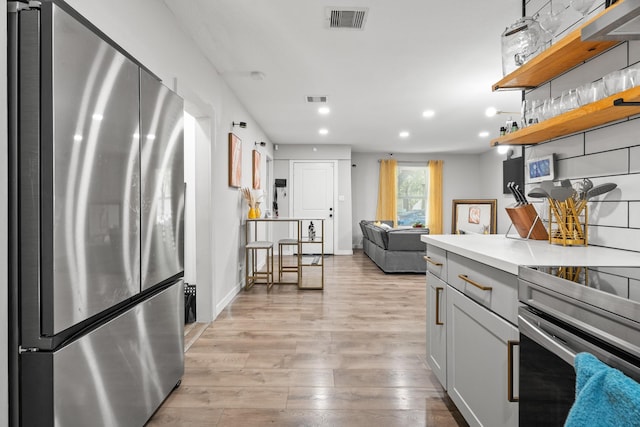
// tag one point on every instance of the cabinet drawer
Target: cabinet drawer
(436, 259)
(493, 288)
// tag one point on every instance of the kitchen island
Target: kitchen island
(472, 314)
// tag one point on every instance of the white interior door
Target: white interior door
(313, 191)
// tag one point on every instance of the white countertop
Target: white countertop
(507, 254)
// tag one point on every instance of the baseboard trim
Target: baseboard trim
(343, 252)
(228, 298)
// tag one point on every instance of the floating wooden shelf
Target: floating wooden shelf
(591, 115)
(560, 57)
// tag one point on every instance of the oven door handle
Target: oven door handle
(546, 340)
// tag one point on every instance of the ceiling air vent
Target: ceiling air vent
(317, 99)
(352, 18)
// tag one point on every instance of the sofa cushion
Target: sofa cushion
(406, 239)
(378, 236)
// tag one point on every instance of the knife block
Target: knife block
(527, 222)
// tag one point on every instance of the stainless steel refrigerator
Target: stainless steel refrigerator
(96, 220)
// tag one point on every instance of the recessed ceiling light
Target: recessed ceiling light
(404, 134)
(483, 134)
(97, 117)
(323, 131)
(428, 113)
(324, 110)
(491, 111)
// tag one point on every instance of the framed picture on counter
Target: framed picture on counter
(474, 216)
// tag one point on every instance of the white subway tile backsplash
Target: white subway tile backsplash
(634, 290)
(628, 187)
(609, 153)
(634, 214)
(541, 92)
(612, 214)
(594, 69)
(571, 146)
(625, 134)
(634, 159)
(634, 51)
(607, 163)
(621, 238)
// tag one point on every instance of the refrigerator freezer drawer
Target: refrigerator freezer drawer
(116, 375)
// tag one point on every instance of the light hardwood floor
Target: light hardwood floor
(351, 355)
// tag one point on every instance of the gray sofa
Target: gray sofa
(394, 250)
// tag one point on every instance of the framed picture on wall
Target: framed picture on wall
(235, 161)
(256, 169)
(474, 216)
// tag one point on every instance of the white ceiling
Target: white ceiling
(412, 55)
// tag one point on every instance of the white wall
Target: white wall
(609, 153)
(343, 209)
(462, 179)
(147, 30)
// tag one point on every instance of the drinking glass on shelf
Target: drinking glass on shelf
(568, 100)
(550, 22)
(531, 112)
(617, 81)
(582, 6)
(550, 108)
(634, 75)
(590, 92)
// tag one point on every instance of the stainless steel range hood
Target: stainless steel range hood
(621, 22)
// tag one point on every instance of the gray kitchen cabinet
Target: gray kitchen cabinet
(436, 327)
(472, 337)
(481, 370)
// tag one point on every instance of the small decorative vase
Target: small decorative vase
(257, 209)
(252, 213)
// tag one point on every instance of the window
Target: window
(412, 194)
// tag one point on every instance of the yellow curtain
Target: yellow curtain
(387, 192)
(434, 199)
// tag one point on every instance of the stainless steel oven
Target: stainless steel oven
(564, 311)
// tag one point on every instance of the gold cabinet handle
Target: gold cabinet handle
(438, 291)
(430, 261)
(476, 284)
(510, 345)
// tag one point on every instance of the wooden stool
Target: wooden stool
(252, 249)
(281, 267)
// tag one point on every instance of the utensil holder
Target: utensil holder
(568, 222)
(527, 222)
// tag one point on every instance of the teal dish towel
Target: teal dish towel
(605, 397)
